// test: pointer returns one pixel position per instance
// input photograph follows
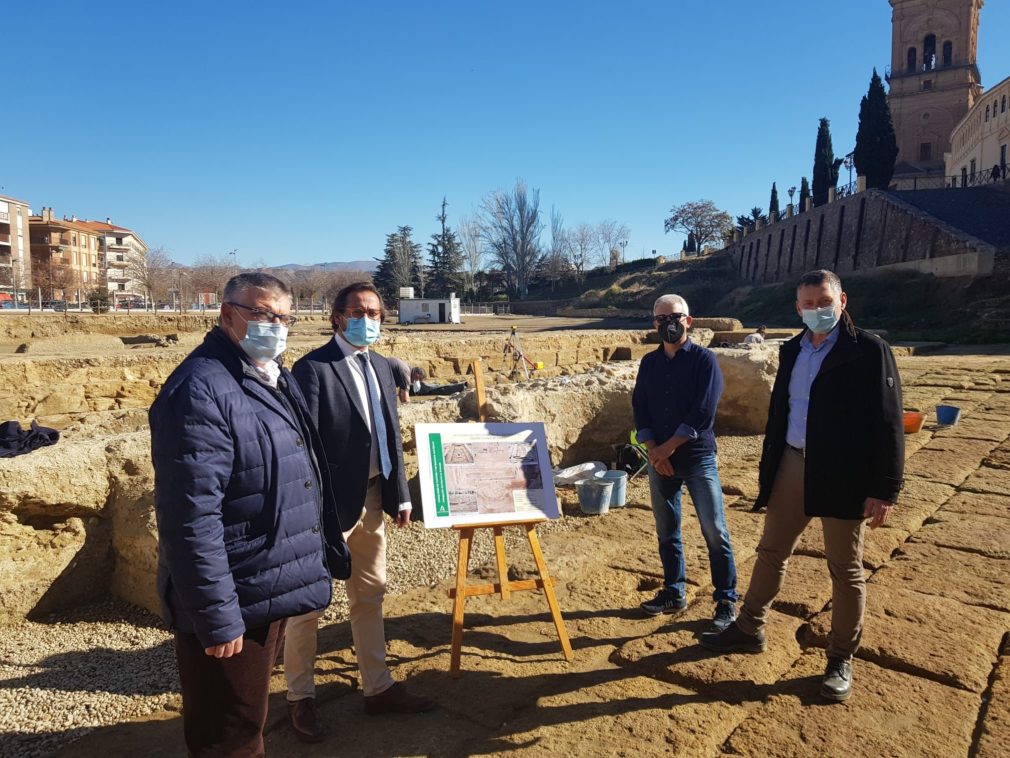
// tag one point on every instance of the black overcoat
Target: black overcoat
(855, 443)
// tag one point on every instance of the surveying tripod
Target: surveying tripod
(520, 363)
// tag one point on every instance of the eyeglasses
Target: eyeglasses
(261, 314)
(373, 313)
(669, 317)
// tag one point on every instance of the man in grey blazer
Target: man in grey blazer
(351, 396)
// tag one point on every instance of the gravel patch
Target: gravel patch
(112, 662)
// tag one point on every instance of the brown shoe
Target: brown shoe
(305, 720)
(397, 700)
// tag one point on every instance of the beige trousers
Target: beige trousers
(843, 544)
(366, 588)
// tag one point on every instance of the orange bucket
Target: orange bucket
(914, 421)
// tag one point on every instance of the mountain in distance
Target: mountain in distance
(368, 266)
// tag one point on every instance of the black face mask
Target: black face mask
(670, 330)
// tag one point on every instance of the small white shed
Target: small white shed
(424, 310)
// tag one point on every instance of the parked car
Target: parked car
(56, 305)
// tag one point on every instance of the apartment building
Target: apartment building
(121, 252)
(15, 253)
(65, 256)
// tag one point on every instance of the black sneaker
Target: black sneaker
(666, 601)
(733, 640)
(725, 614)
(837, 682)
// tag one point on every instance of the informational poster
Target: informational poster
(474, 474)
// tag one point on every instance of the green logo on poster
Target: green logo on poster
(438, 475)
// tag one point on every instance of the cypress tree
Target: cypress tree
(692, 246)
(773, 204)
(804, 193)
(825, 164)
(876, 144)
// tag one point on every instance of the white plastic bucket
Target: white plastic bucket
(594, 496)
(619, 494)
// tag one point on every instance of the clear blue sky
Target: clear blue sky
(303, 132)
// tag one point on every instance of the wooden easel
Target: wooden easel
(504, 587)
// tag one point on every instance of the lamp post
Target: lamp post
(792, 191)
(848, 163)
(624, 245)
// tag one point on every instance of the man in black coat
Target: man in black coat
(834, 449)
(351, 396)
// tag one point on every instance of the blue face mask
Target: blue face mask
(416, 386)
(820, 320)
(264, 341)
(362, 332)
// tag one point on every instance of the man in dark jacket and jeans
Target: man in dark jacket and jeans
(247, 537)
(834, 449)
(676, 395)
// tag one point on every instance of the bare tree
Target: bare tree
(210, 273)
(700, 218)
(555, 265)
(151, 269)
(512, 228)
(609, 236)
(582, 241)
(472, 242)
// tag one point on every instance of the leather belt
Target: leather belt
(800, 450)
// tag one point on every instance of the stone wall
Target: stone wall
(869, 230)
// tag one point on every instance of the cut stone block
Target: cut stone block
(614, 711)
(890, 714)
(1000, 457)
(940, 466)
(994, 737)
(973, 428)
(878, 544)
(674, 654)
(985, 535)
(977, 504)
(933, 637)
(988, 479)
(966, 577)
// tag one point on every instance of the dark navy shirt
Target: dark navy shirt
(678, 397)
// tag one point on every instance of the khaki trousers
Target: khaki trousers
(366, 588)
(843, 544)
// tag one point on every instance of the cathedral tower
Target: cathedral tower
(933, 79)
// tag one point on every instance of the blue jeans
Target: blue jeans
(702, 480)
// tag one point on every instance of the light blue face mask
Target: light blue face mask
(264, 341)
(362, 332)
(820, 320)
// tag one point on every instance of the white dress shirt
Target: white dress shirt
(351, 352)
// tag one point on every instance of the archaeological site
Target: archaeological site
(88, 668)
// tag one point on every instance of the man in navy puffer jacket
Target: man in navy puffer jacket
(248, 530)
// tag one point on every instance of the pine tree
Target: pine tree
(773, 204)
(804, 193)
(398, 266)
(446, 258)
(825, 164)
(876, 144)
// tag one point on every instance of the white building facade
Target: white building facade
(979, 143)
(15, 250)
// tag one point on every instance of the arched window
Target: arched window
(948, 53)
(929, 52)
(987, 113)
(911, 60)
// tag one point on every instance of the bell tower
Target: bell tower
(933, 80)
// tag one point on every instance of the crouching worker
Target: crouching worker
(676, 394)
(246, 538)
(834, 449)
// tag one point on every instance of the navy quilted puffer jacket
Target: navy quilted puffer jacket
(239, 498)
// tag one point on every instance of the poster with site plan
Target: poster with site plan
(474, 474)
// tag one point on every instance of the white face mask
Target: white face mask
(264, 341)
(416, 385)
